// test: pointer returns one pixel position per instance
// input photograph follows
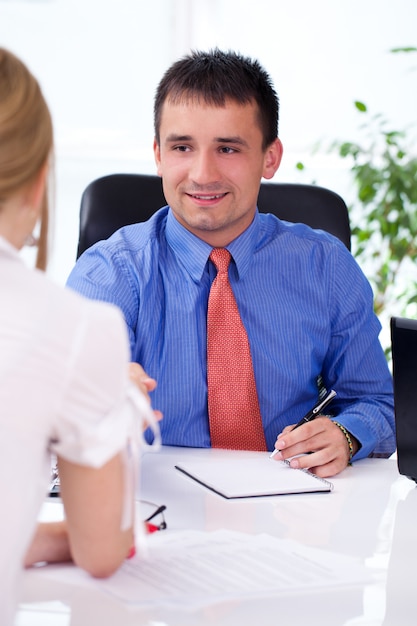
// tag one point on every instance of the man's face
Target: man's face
(211, 162)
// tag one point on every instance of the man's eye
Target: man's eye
(227, 150)
(181, 148)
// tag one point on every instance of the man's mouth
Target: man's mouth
(207, 197)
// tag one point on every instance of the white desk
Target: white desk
(371, 514)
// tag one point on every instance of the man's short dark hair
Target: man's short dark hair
(215, 77)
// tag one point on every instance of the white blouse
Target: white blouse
(64, 389)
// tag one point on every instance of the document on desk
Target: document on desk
(237, 476)
(195, 569)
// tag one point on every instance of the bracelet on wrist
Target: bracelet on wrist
(348, 438)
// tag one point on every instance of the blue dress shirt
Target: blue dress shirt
(305, 303)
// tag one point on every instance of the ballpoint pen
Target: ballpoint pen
(312, 414)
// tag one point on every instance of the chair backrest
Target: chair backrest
(116, 200)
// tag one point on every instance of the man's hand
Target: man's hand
(138, 375)
(145, 383)
(323, 445)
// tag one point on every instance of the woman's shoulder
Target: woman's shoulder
(65, 314)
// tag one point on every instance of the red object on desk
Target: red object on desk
(151, 528)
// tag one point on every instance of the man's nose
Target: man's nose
(204, 170)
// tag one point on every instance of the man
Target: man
(306, 306)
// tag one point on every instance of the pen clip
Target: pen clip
(328, 398)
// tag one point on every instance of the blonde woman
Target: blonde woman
(64, 379)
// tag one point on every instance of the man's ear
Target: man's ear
(272, 159)
(157, 156)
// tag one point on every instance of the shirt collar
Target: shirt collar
(243, 247)
(193, 252)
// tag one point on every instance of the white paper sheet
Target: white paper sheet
(196, 569)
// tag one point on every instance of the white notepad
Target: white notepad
(238, 477)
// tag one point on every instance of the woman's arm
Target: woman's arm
(91, 534)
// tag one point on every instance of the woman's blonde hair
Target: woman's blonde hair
(26, 137)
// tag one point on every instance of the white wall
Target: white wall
(99, 62)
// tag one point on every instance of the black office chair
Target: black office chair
(116, 200)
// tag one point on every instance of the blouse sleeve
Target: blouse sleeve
(101, 409)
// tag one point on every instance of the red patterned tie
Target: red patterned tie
(234, 415)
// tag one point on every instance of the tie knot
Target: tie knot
(221, 259)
